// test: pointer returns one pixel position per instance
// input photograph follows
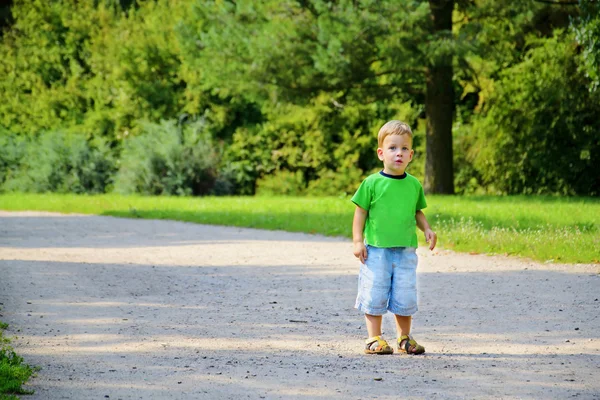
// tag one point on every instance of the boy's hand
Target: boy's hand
(431, 238)
(360, 251)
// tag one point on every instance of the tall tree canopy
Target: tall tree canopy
(295, 90)
(369, 52)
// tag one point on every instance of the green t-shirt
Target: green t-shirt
(392, 202)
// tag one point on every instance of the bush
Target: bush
(13, 371)
(467, 179)
(12, 149)
(322, 140)
(281, 183)
(336, 183)
(167, 159)
(58, 162)
(539, 134)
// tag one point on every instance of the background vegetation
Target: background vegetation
(193, 97)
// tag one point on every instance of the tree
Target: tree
(539, 132)
(439, 105)
(351, 52)
(587, 31)
(90, 65)
(5, 15)
(362, 52)
(297, 89)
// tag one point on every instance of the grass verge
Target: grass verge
(13, 372)
(542, 228)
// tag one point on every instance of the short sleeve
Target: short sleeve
(363, 195)
(421, 202)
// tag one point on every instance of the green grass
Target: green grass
(13, 373)
(541, 228)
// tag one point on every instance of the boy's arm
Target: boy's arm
(358, 226)
(422, 224)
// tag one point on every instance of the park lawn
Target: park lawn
(547, 229)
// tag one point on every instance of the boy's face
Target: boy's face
(396, 152)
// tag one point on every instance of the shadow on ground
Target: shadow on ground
(191, 312)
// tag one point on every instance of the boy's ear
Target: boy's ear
(380, 153)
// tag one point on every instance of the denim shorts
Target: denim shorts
(388, 281)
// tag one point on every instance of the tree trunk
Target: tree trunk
(439, 110)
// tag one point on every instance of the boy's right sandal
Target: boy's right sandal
(408, 345)
(377, 345)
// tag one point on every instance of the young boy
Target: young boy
(388, 207)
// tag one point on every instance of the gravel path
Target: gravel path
(115, 308)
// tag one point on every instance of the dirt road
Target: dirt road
(135, 309)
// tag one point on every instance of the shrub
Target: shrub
(13, 372)
(539, 134)
(281, 183)
(12, 149)
(171, 160)
(58, 162)
(336, 183)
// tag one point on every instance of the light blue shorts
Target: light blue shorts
(388, 281)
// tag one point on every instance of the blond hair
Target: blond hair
(393, 127)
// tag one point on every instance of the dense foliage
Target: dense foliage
(286, 96)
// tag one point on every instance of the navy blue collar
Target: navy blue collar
(393, 176)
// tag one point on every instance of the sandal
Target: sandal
(377, 345)
(410, 346)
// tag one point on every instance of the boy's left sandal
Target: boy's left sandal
(377, 345)
(408, 345)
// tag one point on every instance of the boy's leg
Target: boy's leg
(406, 344)
(403, 324)
(374, 283)
(375, 344)
(373, 325)
(373, 293)
(403, 299)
